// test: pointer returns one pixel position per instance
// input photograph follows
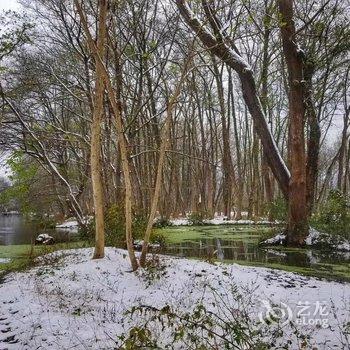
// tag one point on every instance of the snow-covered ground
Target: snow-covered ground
(315, 239)
(71, 223)
(79, 303)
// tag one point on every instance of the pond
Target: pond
(240, 244)
(227, 243)
(17, 235)
(15, 229)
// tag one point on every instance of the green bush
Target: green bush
(157, 237)
(161, 222)
(278, 209)
(197, 218)
(115, 227)
(334, 215)
(88, 233)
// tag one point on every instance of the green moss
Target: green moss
(229, 233)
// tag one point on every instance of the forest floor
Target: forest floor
(69, 301)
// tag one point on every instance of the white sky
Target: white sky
(4, 169)
(8, 5)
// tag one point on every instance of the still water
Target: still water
(14, 229)
(241, 244)
(225, 243)
(225, 250)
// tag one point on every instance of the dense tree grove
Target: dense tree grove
(175, 107)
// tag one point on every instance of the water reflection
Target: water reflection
(239, 250)
(14, 229)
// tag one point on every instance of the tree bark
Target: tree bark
(313, 142)
(95, 155)
(228, 171)
(265, 101)
(297, 228)
(341, 180)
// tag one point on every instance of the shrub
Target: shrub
(138, 338)
(162, 222)
(278, 209)
(157, 237)
(334, 215)
(197, 218)
(88, 233)
(153, 271)
(227, 324)
(115, 227)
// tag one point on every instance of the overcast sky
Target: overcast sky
(8, 4)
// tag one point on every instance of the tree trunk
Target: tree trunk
(116, 107)
(297, 229)
(313, 142)
(95, 155)
(341, 181)
(227, 165)
(265, 101)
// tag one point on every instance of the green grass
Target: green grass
(22, 256)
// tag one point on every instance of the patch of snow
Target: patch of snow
(334, 241)
(222, 220)
(80, 303)
(313, 236)
(345, 246)
(278, 239)
(138, 243)
(11, 212)
(69, 223)
(5, 260)
(180, 222)
(72, 225)
(276, 252)
(44, 238)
